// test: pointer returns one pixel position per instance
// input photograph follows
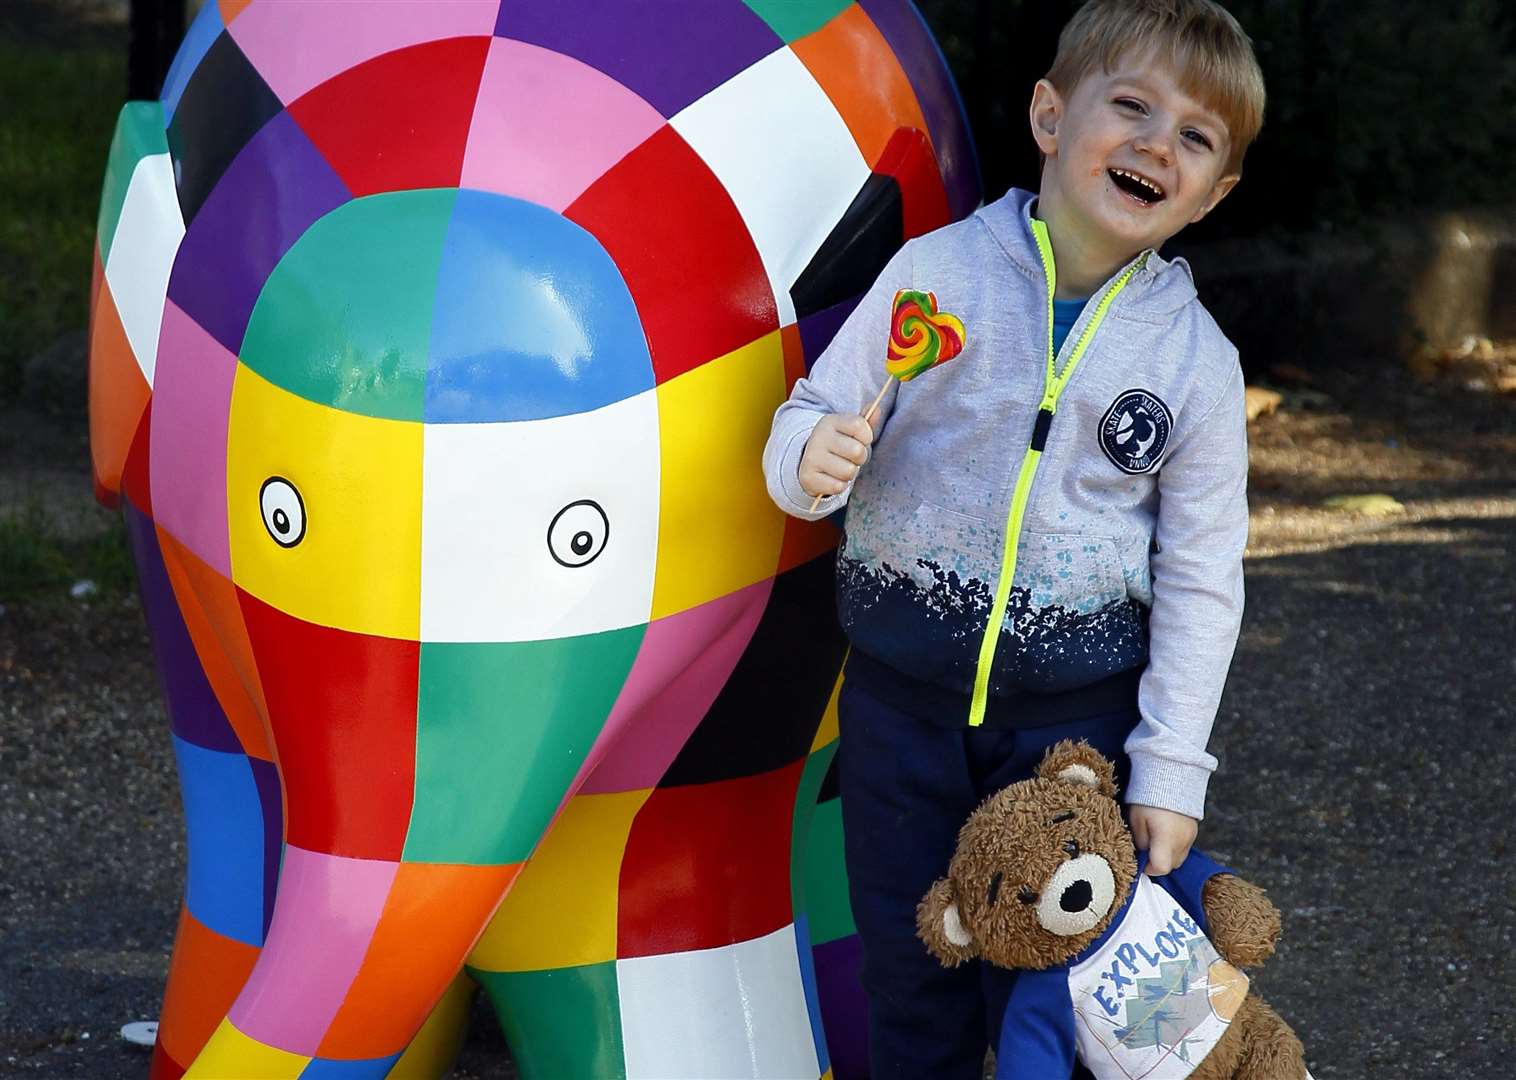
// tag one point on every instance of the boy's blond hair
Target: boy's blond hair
(1209, 52)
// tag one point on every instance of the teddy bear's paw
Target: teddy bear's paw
(1244, 924)
(1272, 1051)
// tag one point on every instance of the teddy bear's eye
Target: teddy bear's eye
(1071, 847)
(994, 893)
(1027, 895)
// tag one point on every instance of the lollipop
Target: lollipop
(921, 337)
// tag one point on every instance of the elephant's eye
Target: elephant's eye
(1071, 847)
(578, 533)
(994, 893)
(1027, 895)
(283, 511)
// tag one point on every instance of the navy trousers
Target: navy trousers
(907, 787)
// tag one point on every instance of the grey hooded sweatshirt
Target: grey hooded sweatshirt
(1095, 518)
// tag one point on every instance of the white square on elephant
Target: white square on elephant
(142, 256)
(540, 529)
(784, 154)
(734, 1011)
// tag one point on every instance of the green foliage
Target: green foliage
(1380, 107)
(1376, 107)
(106, 559)
(30, 556)
(37, 559)
(59, 106)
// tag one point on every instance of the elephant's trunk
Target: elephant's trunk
(359, 953)
(418, 777)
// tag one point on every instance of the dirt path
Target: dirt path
(1365, 740)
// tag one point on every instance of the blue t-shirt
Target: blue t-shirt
(1065, 315)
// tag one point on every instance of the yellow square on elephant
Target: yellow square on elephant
(561, 910)
(324, 510)
(718, 530)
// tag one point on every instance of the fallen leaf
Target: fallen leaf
(1375, 505)
(1261, 402)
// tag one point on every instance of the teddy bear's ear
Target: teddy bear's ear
(938, 924)
(1079, 763)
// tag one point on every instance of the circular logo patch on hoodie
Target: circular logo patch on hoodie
(1134, 431)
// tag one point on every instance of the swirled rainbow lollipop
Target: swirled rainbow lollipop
(921, 337)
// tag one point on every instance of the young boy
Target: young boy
(1047, 542)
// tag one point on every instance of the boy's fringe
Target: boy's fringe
(1209, 52)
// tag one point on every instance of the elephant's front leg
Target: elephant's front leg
(653, 935)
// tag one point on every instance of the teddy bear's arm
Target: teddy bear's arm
(1244, 925)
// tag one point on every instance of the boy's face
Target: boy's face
(1131, 158)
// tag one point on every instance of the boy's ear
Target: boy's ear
(1046, 113)
(1218, 192)
(938, 924)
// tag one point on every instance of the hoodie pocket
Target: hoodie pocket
(948, 542)
(1079, 574)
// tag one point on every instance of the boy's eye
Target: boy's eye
(1197, 137)
(1133, 104)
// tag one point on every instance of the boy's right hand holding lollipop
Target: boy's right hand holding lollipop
(838, 447)
(921, 337)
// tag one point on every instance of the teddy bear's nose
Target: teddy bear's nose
(1076, 897)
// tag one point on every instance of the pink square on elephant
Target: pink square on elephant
(192, 395)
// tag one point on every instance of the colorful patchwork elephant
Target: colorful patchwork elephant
(434, 345)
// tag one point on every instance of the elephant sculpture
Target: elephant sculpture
(433, 348)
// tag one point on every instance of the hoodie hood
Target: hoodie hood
(1159, 289)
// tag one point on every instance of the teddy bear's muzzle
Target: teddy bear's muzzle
(1077, 896)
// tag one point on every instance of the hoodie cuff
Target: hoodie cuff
(789, 480)
(1168, 785)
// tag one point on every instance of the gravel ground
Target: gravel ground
(1365, 742)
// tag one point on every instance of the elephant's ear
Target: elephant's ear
(137, 237)
(1079, 763)
(939, 924)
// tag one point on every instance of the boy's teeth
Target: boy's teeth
(1154, 188)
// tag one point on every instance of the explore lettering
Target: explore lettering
(1137, 958)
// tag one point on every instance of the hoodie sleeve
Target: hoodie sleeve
(1201, 532)
(843, 380)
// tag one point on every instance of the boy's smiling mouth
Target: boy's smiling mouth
(1139, 188)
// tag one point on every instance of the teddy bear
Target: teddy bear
(1136, 976)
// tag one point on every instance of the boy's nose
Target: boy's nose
(1157, 144)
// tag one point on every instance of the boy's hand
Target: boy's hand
(1165, 835)
(838, 446)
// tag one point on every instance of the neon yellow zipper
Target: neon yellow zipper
(1053, 383)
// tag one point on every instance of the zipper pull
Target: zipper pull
(1040, 430)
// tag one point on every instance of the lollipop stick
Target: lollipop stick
(867, 417)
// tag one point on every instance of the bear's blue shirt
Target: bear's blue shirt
(1038, 1037)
